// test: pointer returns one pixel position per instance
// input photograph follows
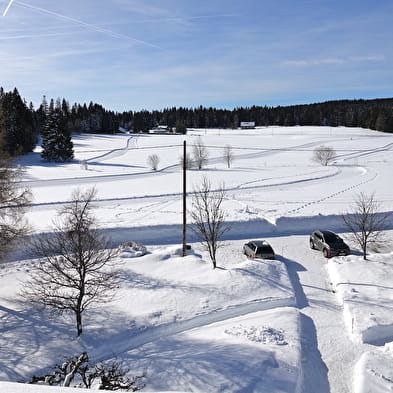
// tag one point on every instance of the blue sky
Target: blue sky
(152, 54)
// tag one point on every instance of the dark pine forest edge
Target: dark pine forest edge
(21, 124)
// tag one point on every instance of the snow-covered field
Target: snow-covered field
(296, 324)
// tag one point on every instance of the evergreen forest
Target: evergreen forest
(21, 125)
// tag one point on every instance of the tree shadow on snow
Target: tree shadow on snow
(212, 365)
(31, 341)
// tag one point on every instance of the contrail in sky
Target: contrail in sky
(83, 24)
(8, 6)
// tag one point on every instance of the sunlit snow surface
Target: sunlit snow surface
(247, 326)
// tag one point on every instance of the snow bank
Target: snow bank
(163, 287)
(374, 373)
(365, 290)
(12, 387)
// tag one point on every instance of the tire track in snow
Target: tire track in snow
(346, 157)
(178, 194)
(148, 210)
(350, 156)
(131, 144)
(244, 186)
(289, 182)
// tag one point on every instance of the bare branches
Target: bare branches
(200, 153)
(74, 263)
(365, 223)
(188, 161)
(13, 201)
(153, 160)
(228, 155)
(209, 217)
(324, 155)
(110, 375)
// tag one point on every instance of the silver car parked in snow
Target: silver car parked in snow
(258, 249)
(329, 243)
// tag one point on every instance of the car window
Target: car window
(264, 250)
(331, 238)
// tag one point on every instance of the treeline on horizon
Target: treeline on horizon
(21, 124)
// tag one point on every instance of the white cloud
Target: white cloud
(332, 61)
(368, 58)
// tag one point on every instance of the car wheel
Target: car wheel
(325, 253)
(312, 245)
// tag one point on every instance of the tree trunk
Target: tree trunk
(365, 251)
(79, 322)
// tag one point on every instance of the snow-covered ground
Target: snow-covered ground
(372, 322)
(296, 324)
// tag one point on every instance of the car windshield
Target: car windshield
(332, 238)
(264, 250)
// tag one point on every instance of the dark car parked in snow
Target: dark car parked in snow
(258, 249)
(329, 243)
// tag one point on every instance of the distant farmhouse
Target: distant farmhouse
(160, 130)
(244, 125)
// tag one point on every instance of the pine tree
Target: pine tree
(16, 124)
(2, 130)
(57, 144)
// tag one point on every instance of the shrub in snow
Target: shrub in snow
(228, 155)
(188, 162)
(264, 334)
(153, 160)
(200, 154)
(78, 372)
(132, 249)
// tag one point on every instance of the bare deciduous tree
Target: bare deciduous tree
(189, 161)
(200, 153)
(365, 223)
(75, 268)
(13, 201)
(208, 217)
(228, 155)
(153, 160)
(324, 155)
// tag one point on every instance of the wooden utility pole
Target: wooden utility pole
(184, 200)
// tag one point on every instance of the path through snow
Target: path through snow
(330, 355)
